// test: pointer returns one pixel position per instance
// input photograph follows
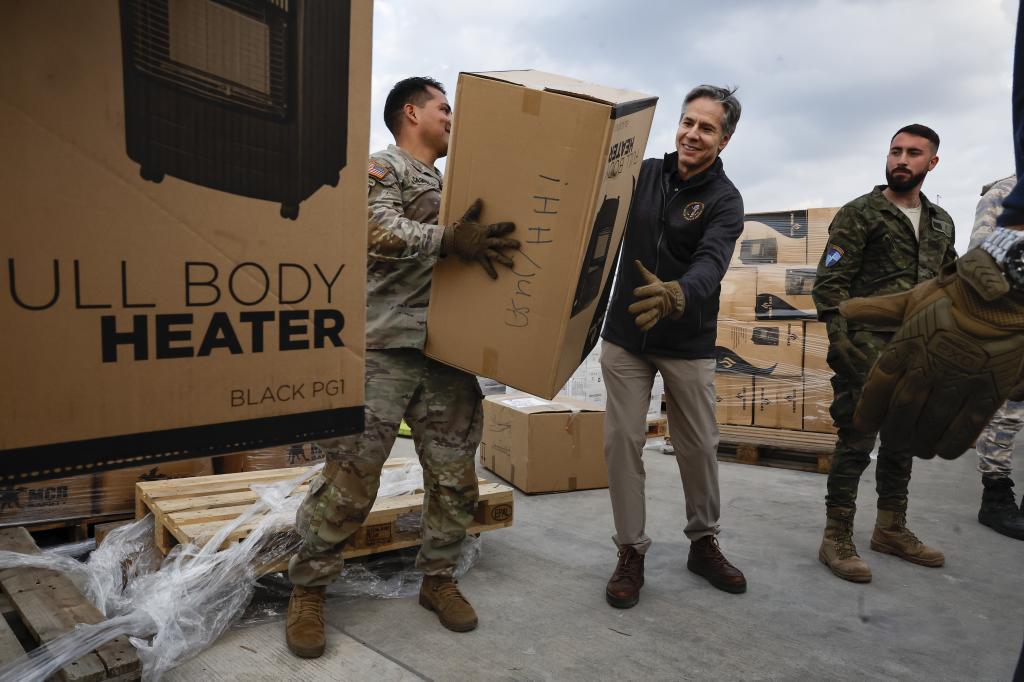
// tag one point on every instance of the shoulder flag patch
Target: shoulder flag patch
(378, 170)
(833, 256)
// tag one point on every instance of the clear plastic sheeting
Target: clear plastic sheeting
(173, 607)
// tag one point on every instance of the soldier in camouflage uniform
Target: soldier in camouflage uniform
(441, 404)
(884, 242)
(995, 444)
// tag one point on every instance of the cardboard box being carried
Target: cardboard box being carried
(544, 446)
(184, 252)
(559, 158)
(778, 403)
(784, 292)
(763, 348)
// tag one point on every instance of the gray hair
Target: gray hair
(724, 96)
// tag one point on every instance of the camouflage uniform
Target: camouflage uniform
(995, 444)
(872, 250)
(441, 404)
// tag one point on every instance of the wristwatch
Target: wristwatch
(1007, 248)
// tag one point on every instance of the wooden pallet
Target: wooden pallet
(781, 448)
(56, 531)
(193, 510)
(657, 426)
(42, 605)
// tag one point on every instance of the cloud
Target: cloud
(824, 84)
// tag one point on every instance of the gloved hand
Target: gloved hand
(842, 355)
(472, 241)
(957, 356)
(656, 300)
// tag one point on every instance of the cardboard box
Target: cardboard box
(115, 490)
(784, 292)
(763, 348)
(165, 305)
(778, 403)
(279, 457)
(818, 221)
(739, 294)
(542, 446)
(734, 399)
(773, 238)
(817, 380)
(49, 500)
(559, 158)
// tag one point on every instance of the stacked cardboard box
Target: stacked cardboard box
(771, 369)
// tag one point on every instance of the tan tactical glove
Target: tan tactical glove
(842, 355)
(957, 356)
(656, 300)
(471, 241)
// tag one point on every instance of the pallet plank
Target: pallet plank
(10, 647)
(779, 448)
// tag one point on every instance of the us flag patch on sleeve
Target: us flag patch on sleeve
(378, 170)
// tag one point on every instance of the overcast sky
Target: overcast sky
(823, 84)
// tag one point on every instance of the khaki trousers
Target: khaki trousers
(690, 393)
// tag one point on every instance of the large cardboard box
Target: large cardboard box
(773, 238)
(818, 221)
(734, 399)
(559, 158)
(115, 489)
(778, 403)
(817, 380)
(739, 294)
(47, 500)
(764, 348)
(158, 302)
(278, 457)
(544, 446)
(784, 292)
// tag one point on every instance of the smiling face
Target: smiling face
(434, 121)
(910, 158)
(699, 138)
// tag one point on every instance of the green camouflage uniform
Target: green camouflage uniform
(995, 444)
(441, 404)
(872, 250)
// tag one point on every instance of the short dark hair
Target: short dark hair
(921, 131)
(407, 91)
(724, 96)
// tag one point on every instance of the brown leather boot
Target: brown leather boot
(892, 536)
(837, 549)
(440, 593)
(304, 630)
(706, 560)
(623, 590)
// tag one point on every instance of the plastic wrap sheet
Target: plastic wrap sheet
(176, 606)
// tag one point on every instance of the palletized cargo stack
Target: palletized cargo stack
(771, 371)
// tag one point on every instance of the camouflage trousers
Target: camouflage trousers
(995, 444)
(853, 448)
(442, 407)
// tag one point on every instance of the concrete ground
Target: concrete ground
(539, 590)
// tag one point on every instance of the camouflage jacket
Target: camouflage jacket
(404, 244)
(989, 208)
(872, 250)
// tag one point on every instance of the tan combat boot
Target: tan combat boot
(892, 536)
(440, 593)
(305, 627)
(837, 549)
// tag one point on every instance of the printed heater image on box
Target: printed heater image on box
(244, 96)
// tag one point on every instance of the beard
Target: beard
(904, 183)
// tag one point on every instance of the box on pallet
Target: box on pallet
(818, 221)
(817, 380)
(784, 292)
(764, 348)
(165, 305)
(778, 402)
(544, 446)
(558, 157)
(50, 500)
(278, 457)
(734, 399)
(779, 237)
(739, 294)
(115, 489)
